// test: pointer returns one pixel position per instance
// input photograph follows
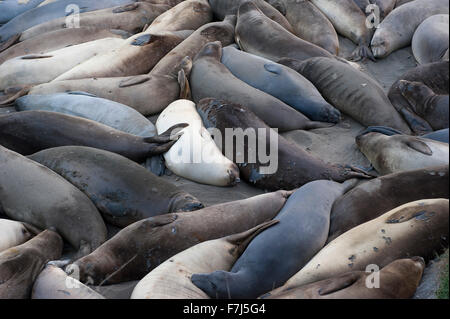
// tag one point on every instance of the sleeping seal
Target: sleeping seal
(14, 233)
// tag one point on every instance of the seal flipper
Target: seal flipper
(12, 94)
(419, 146)
(172, 134)
(35, 56)
(362, 52)
(333, 285)
(139, 79)
(310, 125)
(146, 39)
(185, 88)
(128, 7)
(81, 93)
(415, 122)
(10, 42)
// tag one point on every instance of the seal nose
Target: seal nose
(233, 175)
(420, 260)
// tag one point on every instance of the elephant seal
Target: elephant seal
(123, 191)
(195, 156)
(276, 254)
(350, 22)
(14, 233)
(281, 82)
(176, 279)
(397, 30)
(398, 280)
(210, 78)
(291, 168)
(20, 265)
(425, 103)
(54, 283)
(388, 192)
(187, 15)
(37, 69)
(435, 76)
(38, 15)
(35, 198)
(130, 18)
(415, 229)
(430, 41)
(223, 8)
(59, 39)
(257, 34)
(32, 131)
(152, 93)
(309, 23)
(350, 91)
(398, 153)
(113, 114)
(139, 248)
(138, 55)
(10, 9)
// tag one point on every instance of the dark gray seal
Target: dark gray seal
(123, 191)
(279, 252)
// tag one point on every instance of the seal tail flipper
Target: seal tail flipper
(171, 134)
(362, 52)
(13, 94)
(10, 42)
(185, 88)
(417, 124)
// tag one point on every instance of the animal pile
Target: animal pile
(114, 183)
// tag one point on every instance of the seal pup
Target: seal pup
(195, 156)
(210, 78)
(430, 41)
(137, 249)
(398, 153)
(398, 280)
(54, 283)
(388, 192)
(435, 76)
(223, 8)
(424, 102)
(113, 114)
(349, 21)
(31, 193)
(14, 233)
(130, 18)
(29, 132)
(281, 82)
(257, 34)
(415, 229)
(397, 29)
(123, 191)
(175, 279)
(276, 254)
(351, 91)
(20, 265)
(309, 23)
(293, 167)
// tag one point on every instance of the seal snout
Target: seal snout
(233, 175)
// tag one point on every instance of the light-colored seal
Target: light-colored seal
(14, 233)
(397, 30)
(195, 156)
(430, 41)
(257, 34)
(398, 280)
(356, 207)
(54, 283)
(126, 257)
(349, 21)
(393, 154)
(210, 78)
(20, 265)
(41, 68)
(123, 191)
(351, 91)
(281, 82)
(414, 229)
(276, 254)
(31, 193)
(113, 114)
(172, 279)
